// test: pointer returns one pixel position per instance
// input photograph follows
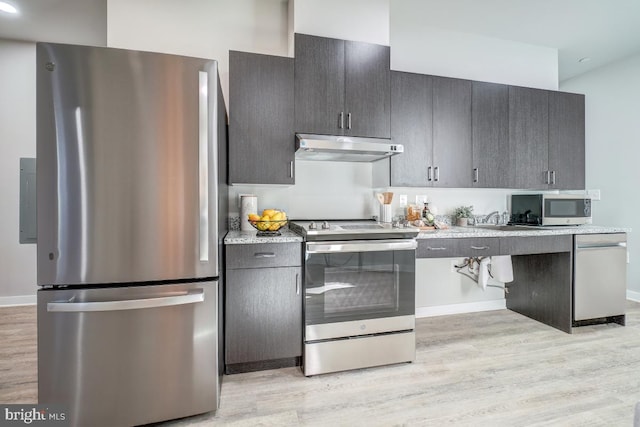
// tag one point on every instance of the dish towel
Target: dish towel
(501, 268)
(483, 273)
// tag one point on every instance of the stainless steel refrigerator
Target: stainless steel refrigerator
(131, 168)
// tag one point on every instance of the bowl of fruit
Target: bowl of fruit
(269, 223)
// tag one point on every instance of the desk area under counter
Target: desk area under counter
(542, 259)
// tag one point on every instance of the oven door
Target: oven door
(359, 287)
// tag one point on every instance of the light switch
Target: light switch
(403, 200)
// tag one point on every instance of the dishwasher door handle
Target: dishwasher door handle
(601, 246)
(191, 297)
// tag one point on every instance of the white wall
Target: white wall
(613, 148)
(358, 20)
(201, 28)
(18, 139)
(425, 49)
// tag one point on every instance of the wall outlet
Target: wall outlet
(403, 200)
(421, 199)
(594, 194)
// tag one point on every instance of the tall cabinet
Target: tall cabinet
(341, 87)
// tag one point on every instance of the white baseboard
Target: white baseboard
(470, 307)
(633, 295)
(17, 300)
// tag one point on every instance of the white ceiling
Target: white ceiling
(605, 31)
(602, 30)
(59, 21)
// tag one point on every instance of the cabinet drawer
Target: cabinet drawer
(478, 246)
(535, 245)
(436, 248)
(468, 247)
(261, 255)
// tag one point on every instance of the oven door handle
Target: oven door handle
(361, 246)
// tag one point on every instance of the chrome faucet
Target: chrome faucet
(488, 217)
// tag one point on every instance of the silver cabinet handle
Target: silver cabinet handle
(341, 120)
(475, 174)
(291, 169)
(436, 173)
(297, 284)
(429, 248)
(191, 297)
(479, 248)
(203, 162)
(548, 177)
(553, 177)
(264, 255)
(349, 121)
(429, 173)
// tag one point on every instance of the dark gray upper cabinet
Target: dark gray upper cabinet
(451, 132)
(492, 167)
(529, 136)
(566, 140)
(411, 125)
(341, 87)
(431, 117)
(261, 119)
(319, 85)
(367, 90)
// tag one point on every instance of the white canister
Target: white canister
(385, 213)
(248, 205)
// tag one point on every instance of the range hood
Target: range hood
(344, 148)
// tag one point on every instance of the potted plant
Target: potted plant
(462, 214)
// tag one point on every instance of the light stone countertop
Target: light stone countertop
(237, 237)
(464, 232)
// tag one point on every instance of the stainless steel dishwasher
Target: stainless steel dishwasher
(600, 276)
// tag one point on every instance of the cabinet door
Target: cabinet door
(566, 140)
(319, 85)
(367, 90)
(261, 135)
(490, 135)
(529, 136)
(451, 132)
(263, 314)
(411, 124)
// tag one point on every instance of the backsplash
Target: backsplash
(343, 190)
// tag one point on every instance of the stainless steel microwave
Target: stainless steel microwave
(550, 209)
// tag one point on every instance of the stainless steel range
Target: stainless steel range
(359, 308)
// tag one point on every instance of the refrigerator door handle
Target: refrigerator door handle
(203, 163)
(191, 297)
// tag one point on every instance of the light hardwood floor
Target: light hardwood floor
(493, 368)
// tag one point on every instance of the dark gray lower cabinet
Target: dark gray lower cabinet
(264, 315)
(263, 306)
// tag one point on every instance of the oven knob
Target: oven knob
(312, 225)
(325, 225)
